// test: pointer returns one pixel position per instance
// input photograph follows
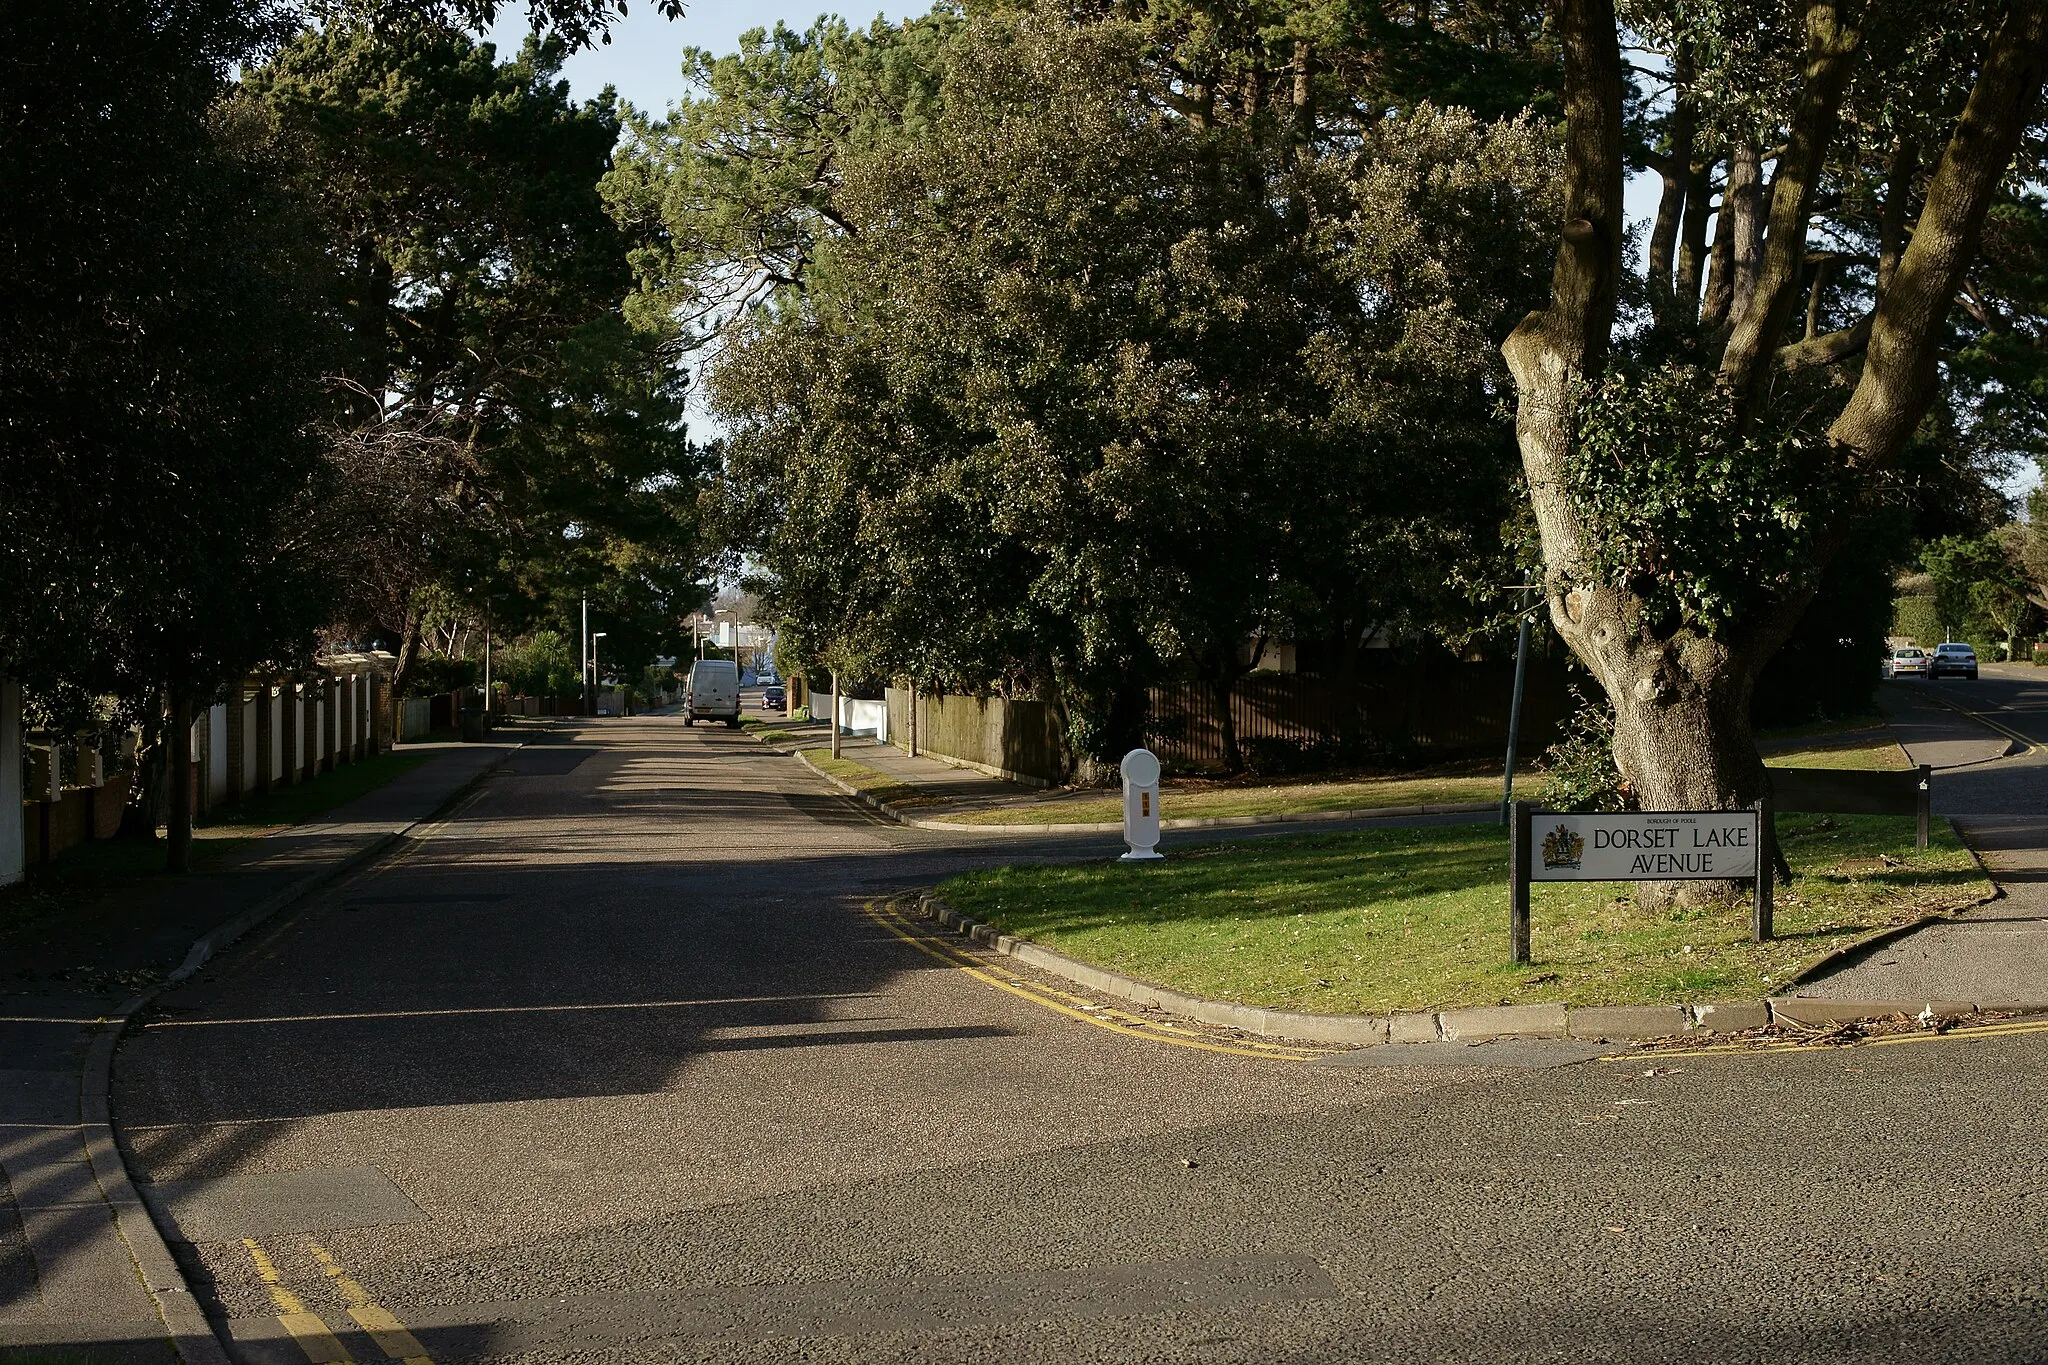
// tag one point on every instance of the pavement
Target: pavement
(2000, 806)
(76, 1265)
(612, 1065)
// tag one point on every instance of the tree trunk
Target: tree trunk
(1677, 175)
(1692, 244)
(401, 669)
(1743, 206)
(178, 853)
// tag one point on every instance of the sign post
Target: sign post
(1760, 916)
(1654, 846)
(1518, 867)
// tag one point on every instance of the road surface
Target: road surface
(614, 1067)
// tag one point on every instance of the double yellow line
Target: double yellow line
(2000, 1030)
(309, 1329)
(2026, 745)
(1178, 1033)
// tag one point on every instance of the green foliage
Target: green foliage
(1917, 619)
(1033, 382)
(1980, 590)
(1698, 511)
(541, 665)
(1579, 773)
(433, 674)
(1830, 665)
(161, 346)
(515, 442)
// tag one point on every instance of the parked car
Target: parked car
(1954, 659)
(774, 699)
(1907, 663)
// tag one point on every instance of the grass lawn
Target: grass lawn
(1187, 800)
(868, 781)
(1407, 919)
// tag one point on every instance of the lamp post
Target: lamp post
(583, 660)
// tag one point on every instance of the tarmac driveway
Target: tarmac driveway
(613, 1067)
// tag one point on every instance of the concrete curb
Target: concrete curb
(848, 789)
(1471, 1025)
(1116, 826)
(190, 1331)
(1219, 821)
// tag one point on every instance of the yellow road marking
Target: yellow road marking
(1882, 1040)
(2026, 745)
(384, 1329)
(306, 1328)
(1080, 1007)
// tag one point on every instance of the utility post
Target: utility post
(583, 660)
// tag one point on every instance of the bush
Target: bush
(1578, 771)
(1917, 620)
(434, 675)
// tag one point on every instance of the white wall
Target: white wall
(864, 718)
(249, 746)
(217, 753)
(12, 849)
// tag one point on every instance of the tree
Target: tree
(510, 440)
(1038, 380)
(158, 375)
(1688, 488)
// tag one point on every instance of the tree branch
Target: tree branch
(1676, 170)
(1899, 374)
(1832, 47)
(1830, 348)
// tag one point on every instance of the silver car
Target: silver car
(1907, 663)
(1953, 659)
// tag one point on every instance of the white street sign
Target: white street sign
(1652, 846)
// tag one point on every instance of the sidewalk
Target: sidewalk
(81, 1265)
(958, 788)
(1996, 952)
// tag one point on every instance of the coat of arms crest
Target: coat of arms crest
(1563, 847)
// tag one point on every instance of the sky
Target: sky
(644, 58)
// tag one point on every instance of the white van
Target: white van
(713, 692)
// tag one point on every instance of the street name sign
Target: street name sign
(1640, 846)
(1659, 846)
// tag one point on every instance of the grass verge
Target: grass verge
(1190, 801)
(1880, 754)
(1407, 919)
(871, 782)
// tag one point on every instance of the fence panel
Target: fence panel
(1014, 739)
(1432, 710)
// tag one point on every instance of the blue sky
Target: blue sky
(644, 58)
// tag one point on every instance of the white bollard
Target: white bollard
(1141, 806)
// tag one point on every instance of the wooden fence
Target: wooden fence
(1428, 710)
(1018, 740)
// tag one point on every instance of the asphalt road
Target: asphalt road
(612, 1067)
(1997, 952)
